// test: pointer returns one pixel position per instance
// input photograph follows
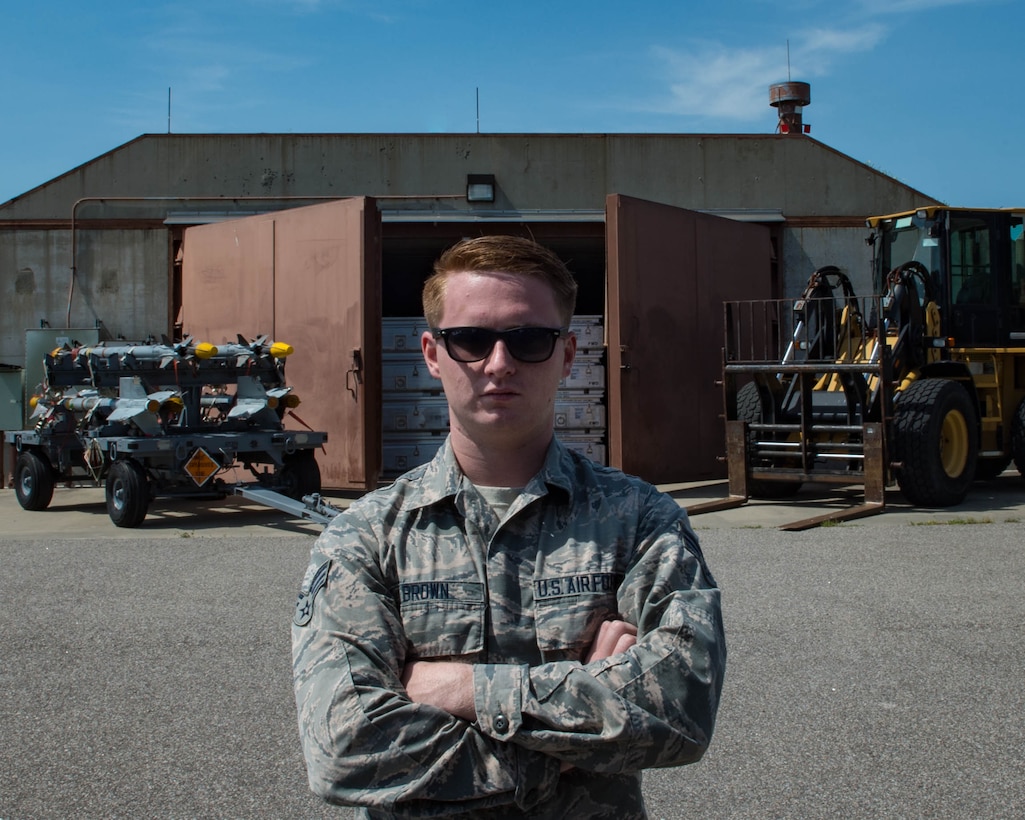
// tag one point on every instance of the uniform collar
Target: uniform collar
(442, 477)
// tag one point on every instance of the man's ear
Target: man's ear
(429, 347)
(570, 354)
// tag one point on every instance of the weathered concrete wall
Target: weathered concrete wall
(805, 249)
(34, 275)
(123, 281)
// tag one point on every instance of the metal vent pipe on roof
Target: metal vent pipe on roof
(789, 99)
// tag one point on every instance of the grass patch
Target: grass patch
(952, 522)
(706, 528)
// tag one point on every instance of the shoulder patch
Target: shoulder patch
(314, 582)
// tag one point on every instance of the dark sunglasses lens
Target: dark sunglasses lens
(469, 344)
(531, 344)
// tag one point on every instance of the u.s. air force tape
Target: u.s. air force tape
(314, 582)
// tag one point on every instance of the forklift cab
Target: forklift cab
(977, 261)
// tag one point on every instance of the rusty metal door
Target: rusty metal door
(669, 271)
(310, 277)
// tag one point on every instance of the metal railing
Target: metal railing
(821, 370)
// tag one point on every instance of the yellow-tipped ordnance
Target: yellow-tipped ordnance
(172, 405)
(281, 349)
(205, 350)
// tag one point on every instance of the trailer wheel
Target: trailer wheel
(33, 482)
(1018, 438)
(936, 442)
(749, 409)
(127, 494)
(300, 475)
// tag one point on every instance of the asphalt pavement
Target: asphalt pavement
(875, 667)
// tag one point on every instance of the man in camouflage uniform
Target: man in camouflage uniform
(510, 630)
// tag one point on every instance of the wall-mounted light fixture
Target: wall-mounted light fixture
(480, 187)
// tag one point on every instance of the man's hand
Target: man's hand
(613, 637)
(445, 684)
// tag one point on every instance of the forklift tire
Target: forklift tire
(749, 409)
(300, 475)
(33, 482)
(936, 442)
(1018, 438)
(128, 494)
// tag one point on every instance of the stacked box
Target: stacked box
(403, 453)
(591, 446)
(590, 333)
(579, 411)
(401, 334)
(587, 373)
(404, 372)
(415, 412)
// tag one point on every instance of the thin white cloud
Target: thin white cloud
(714, 80)
(882, 7)
(370, 9)
(210, 65)
(840, 41)
(706, 79)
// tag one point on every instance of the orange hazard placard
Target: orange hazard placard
(201, 467)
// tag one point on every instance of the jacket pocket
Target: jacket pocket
(442, 619)
(567, 624)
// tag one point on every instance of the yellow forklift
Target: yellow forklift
(921, 384)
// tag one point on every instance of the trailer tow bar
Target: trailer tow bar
(311, 508)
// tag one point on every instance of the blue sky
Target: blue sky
(926, 91)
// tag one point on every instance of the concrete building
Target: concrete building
(105, 244)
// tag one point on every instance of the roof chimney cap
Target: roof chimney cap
(787, 94)
(789, 98)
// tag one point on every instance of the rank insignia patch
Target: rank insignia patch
(314, 582)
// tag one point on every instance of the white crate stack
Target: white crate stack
(415, 412)
(580, 419)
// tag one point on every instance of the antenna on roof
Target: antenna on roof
(478, 109)
(169, 109)
(789, 99)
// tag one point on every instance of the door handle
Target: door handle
(354, 375)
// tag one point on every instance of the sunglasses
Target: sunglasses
(525, 344)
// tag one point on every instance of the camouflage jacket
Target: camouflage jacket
(424, 569)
